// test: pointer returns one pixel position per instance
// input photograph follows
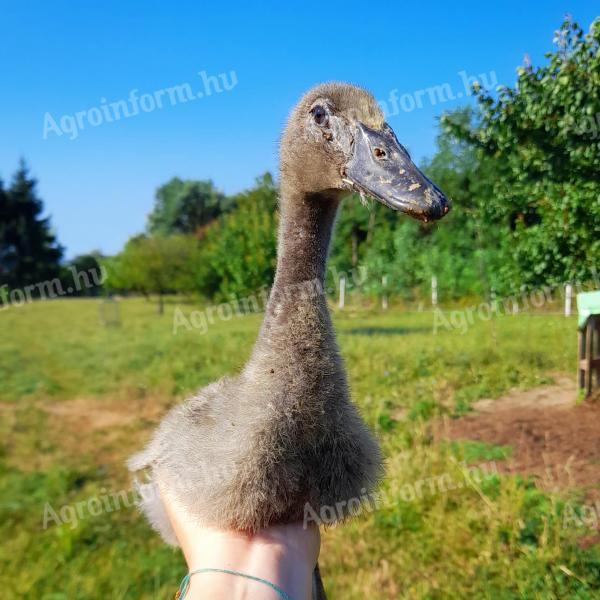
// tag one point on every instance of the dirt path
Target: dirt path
(552, 438)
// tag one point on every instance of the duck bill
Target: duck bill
(382, 168)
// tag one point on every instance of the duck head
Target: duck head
(337, 141)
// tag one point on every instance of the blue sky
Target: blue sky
(59, 58)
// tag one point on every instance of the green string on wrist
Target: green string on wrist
(185, 582)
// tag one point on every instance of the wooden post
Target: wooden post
(434, 293)
(109, 313)
(568, 299)
(342, 298)
(588, 362)
(384, 298)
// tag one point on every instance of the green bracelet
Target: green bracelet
(185, 582)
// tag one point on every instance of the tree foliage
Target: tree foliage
(83, 275)
(542, 136)
(239, 250)
(29, 251)
(185, 207)
(155, 265)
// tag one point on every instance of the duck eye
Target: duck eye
(320, 116)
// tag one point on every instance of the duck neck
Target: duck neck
(297, 308)
(304, 235)
(295, 358)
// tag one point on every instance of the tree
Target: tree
(185, 207)
(239, 250)
(84, 275)
(353, 231)
(29, 252)
(462, 249)
(155, 265)
(542, 136)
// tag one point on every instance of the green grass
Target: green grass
(489, 536)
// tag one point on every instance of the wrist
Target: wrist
(275, 555)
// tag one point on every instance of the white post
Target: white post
(342, 292)
(434, 295)
(568, 299)
(384, 298)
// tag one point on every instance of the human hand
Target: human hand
(284, 555)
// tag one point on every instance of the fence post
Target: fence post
(434, 291)
(342, 292)
(384, 298)
(568, 299)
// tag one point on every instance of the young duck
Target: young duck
(260, 447)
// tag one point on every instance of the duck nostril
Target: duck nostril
(379, 153)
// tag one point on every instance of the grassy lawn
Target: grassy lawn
(76, 398)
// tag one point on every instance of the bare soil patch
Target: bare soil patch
(107, 429)
(551, 436)
(88, 416)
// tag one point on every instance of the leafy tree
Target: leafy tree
(29, 252)
(393, 253)
(364, 249)
(185, 207)
(542, 136)
(353, 231)
(155, 265)
(84, 275)
(461, 250)
(239, 250)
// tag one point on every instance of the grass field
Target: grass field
(76, 398)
